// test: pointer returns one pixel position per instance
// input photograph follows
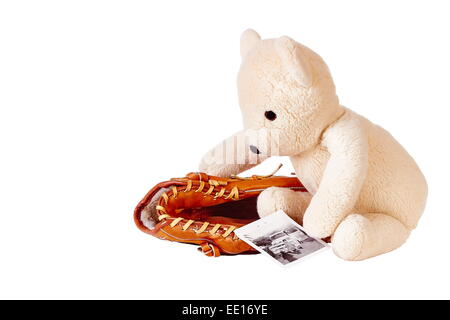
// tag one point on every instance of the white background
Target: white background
(100, 100)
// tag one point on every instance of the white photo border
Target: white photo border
(239, 232)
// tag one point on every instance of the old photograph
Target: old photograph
(280, 237)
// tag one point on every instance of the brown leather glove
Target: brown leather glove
(205, 210)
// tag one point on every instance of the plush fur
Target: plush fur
(367, 191)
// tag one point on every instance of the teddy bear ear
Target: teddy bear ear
(294, 61)
(248, 39)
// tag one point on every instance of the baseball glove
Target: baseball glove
(206, 210)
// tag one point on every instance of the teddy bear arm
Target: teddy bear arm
(342, 180)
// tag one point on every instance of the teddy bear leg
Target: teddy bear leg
(292, 202)
(361, 236)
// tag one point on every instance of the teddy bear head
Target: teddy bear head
(286, 90)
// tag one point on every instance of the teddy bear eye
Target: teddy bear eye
(270, 115)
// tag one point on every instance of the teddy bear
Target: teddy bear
(365, 192)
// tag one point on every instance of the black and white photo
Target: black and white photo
(281, 238)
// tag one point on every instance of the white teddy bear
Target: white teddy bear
(365, 190)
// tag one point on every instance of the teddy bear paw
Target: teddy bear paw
(350, 236)
(269, 201)
(291, 202)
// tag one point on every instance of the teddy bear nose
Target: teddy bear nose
(254, 149)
